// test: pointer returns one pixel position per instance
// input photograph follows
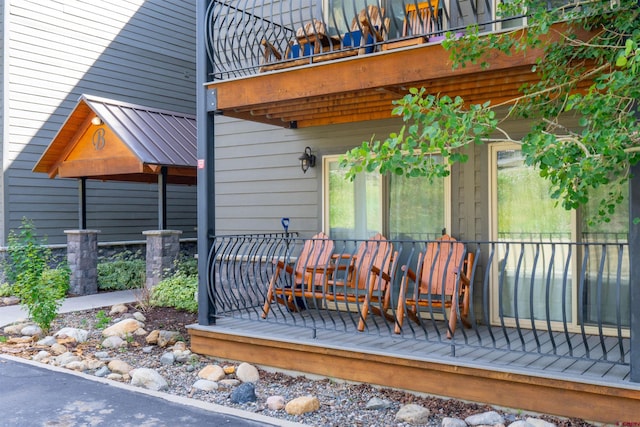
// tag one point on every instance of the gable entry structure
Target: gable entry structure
(108, 140)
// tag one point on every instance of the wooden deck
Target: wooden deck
(481, 370)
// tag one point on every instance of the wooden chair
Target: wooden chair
(290, 283)
(442, 282)
(420, 20)
(367, 279)
(418, 23)
(370, 26)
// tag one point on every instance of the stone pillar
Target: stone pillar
(82, 256)
(163, 248)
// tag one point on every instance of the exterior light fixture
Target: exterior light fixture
(307, 160)
(96, 121)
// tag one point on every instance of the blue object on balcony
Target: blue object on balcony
(294, 51)
(353, 38)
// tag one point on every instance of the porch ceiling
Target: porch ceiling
(363, 87)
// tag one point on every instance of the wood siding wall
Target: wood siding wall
(141, 52)
(2, 116)
(259, 180)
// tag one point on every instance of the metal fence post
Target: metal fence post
(634, 279)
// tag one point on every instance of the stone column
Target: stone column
(163, 248)
(82, 256)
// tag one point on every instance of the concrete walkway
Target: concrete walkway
(12, 313)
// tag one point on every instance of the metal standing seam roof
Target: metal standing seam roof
(156, 137)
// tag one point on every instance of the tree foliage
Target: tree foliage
(584, 129)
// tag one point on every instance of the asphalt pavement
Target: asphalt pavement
(35, 394)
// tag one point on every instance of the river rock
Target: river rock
(123, 328)
(453, 422)
(205, 385)
(114, 342)
(166, 338)
(149, 379)
(211, 373)
(247, 373)
(489, 418)
(413, 414)
(119, 367)
(275, 403)
(118, 309)
(79, 335)
(31, 330)
(302, 405)
(244, 393)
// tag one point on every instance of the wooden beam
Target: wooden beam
(429, 62)
(96, 167)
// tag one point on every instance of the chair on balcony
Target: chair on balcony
(442, 281)
(367, 279)
(291, 284)
(310, 39)
(369, 27)
(418, 23)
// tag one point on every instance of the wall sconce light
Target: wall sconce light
(96, 121)
(307, 160)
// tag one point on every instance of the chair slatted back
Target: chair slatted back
(375, 252)
(316, 253)
(440, 266)
(419, 20)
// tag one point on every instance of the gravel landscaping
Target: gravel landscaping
(340, 403)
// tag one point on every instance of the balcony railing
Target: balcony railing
(536, 296)
(245, 37)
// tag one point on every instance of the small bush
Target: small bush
(125, 270)
(40, 288)
(177, 291)
(44, 299)
(5, 290)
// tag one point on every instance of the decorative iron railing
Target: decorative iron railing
(560, 298)
(245, 37)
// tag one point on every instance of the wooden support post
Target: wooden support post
(82, 203)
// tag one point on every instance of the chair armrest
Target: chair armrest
(270, 49)
(410, 273)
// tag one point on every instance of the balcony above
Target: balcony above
(338, 62)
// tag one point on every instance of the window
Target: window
(535, 234)
(398, 207)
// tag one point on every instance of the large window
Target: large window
(398, 207)
(541, 275)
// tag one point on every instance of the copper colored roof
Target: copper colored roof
(146, 138)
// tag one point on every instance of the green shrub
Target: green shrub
(40, 288)
(125, 270)
(5, 290)
(177, 291)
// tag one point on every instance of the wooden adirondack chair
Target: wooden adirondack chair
(418, 23)
(316, 255)
(370, 26)
(367, 281)
(420, 19)
(442, 282)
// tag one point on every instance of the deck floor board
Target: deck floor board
(508, 349)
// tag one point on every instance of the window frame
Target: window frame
(575, 324)
(384, 197)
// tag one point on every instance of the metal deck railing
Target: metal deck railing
(243, 36)
(535, 296)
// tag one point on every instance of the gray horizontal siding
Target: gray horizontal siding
(258, 175)
(136, 53)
